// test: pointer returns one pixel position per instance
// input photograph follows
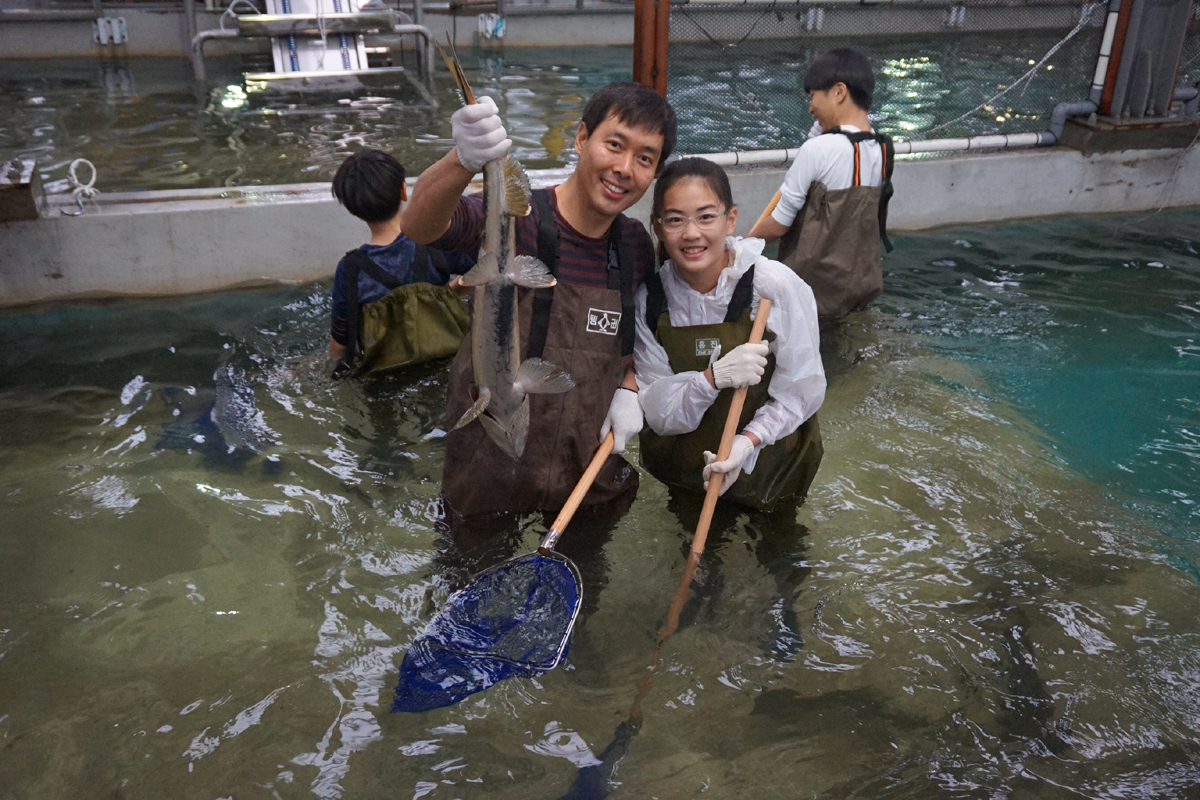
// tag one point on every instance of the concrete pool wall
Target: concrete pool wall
(184, 241)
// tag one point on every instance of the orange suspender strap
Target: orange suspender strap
(857, 176)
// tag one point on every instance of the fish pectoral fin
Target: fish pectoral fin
(516, 189)
(485, 396)
(538, 376)
(484, 271)
(529, 272)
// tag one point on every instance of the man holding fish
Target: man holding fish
(524, 438)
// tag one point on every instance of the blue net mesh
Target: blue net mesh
(512, 620)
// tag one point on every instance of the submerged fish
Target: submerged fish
(504, 381)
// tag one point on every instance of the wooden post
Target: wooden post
(651, 38)
(662, 41)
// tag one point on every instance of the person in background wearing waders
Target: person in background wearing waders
(583, 325)
(830, 215)
(393, 300)
(693, 325)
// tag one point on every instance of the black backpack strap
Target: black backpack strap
(656, 301)
(543, 299)
(743, 293)
(621, 267)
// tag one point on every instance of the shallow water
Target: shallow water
(145, 125)
(990, 592)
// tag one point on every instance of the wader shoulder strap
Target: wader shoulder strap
(620, 276)
(547, 251)
(743, 293)
(425, 258)
(656, 301)
(889, 163)
(885, 196)
(357, 261)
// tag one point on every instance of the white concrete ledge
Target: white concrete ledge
(184, 241)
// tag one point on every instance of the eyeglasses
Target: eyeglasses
(675, 223)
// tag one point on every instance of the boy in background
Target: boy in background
(831, 212)
(393, 301)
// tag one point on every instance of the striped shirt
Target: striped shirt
(582, 260)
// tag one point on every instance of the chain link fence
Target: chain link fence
(942, 69)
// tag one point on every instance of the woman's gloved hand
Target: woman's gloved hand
(731, 467)
(478, 134)
(624, 418)
(744, 366)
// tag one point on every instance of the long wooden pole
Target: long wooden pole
(731, 423)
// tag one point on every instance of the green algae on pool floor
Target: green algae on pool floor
(990, 592)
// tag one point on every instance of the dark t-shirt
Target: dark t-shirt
(396, 259)
(582, 260)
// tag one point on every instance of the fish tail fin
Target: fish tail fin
(538, 376)
(485, 396)
(484, 271)
(510, 439)
(529, 272)
(516, 189)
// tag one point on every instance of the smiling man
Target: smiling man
(583, 325)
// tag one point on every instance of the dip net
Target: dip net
(513, 620)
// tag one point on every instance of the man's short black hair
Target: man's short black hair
(368, 184)
(842, 65)
(636, 105)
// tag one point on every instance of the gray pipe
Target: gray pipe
(198, 49)
(1058, 117)
(1190, 97)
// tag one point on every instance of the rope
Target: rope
(1084, 17)
(82, 190)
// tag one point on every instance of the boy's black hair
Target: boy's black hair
(636, 105)
(368, 184)
(842, 65)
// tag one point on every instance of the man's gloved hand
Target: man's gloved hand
(624, 418)
(479, 134)
(731, 467)
(744, 366)
(816, 130)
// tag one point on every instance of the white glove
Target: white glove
(479, 134)
(624, 418)
(730, 467)
(815, 130)
(744, 366)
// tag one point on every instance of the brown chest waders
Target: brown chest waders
(585, 330)
(415, 322)
(784, 470)
(834, 242)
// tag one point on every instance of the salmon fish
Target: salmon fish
(503, 380)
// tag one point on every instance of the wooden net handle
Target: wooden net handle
(578, 493)
(731, 423)
(770, 207)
